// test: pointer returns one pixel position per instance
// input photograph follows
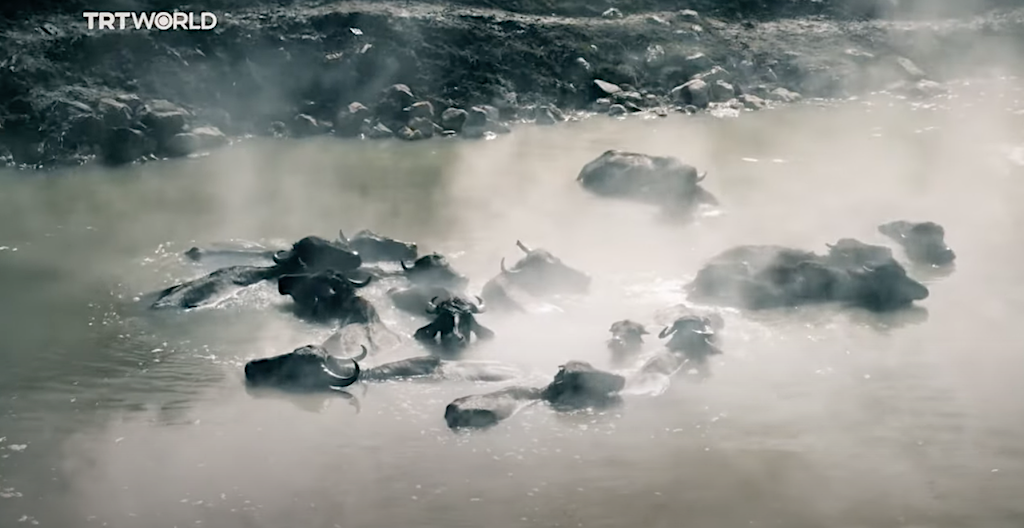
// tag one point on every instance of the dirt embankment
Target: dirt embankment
(291, 68)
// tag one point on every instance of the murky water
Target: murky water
(115, 416)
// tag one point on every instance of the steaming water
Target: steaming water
(115, 416)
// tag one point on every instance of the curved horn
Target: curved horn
(830, 246)
(342, 237)
(358, 284)
(341, 382)
(504, 269)
(701, 177)
(362, 355)
(431, 306)
(523, 247)
(480, 306)
(665, 332)
(404, 267)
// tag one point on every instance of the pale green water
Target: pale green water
(112, 416)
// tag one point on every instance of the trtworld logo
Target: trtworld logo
(178, 20)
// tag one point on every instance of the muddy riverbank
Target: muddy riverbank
(421, 70)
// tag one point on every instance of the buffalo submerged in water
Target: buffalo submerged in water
(454, 324)
(538, 274)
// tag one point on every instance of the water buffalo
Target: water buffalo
(307, 368)
(627, 339)
(312, 254)
(759, 277)
(454, 324)
(577, 385)
(692, 337)
(851, 253)
(328, 295)
(231, 252)
(434, 270)
(209, 288)
(435, 368)
(372, 247)
(924, 242)
(415, 298)
(661, 180)
(538, 274)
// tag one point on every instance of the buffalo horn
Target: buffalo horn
(523, 247)
(702, 176)
(404, 267)
(479, 307)
(358, 284)
(341, 382)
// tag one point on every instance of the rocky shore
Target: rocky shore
(416, 71)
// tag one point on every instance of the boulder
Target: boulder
(375, 131)
(549, 115)
(602, 105)
(349, 121)
(606, 88)
(422, 125)
(909, 69)
(722, 91)
(125, 145)
(695, 92)
(305, 125)
(784, 95)
(163, 118)
(197, 140)
(453, 119)
(420, 109)
(617, 110)
(751, 102)
(612, 12)
(114, 113)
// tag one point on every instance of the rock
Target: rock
(651, 100)
(695, 92)
(919, 89)
(114, 113)
(304, 125)
(393, 102)
(722, 91)
(125, 145)
(583, 64)
(422, 125)
(602, 105)
(716, 73)
(657, 20)
(409, 134)
(83, 130)
(483, 119)
(549, 115)
(197, 140)
(910, 69)
(376, 131)
(631, 96)
(612, 12)
(163, 118)
(751, 102)
(421, 109)
(784, 95)
(617, 110)
(349, 121)
(859, 55)
(607, 88)
(688, 15)
(454, 119)
(133, 101)
(698, 62)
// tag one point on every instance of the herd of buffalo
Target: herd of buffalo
(323, 279)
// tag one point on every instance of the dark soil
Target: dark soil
(267, 64)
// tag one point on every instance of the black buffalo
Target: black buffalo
(328, 295)
(305, 369)
(538, 274)
(453, 325)
(924, 242)
(372, 247)
(434, 270)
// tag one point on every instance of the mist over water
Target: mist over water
(112, 415)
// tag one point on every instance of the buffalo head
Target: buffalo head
(308, 368)
(541, 273)
(883, 287)
(434, 270)
(377, 248)
(454, 323)
(312, 254)
(319, 293)
(627, 337)
(924, 242)
(579, 385)
(692, 336)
